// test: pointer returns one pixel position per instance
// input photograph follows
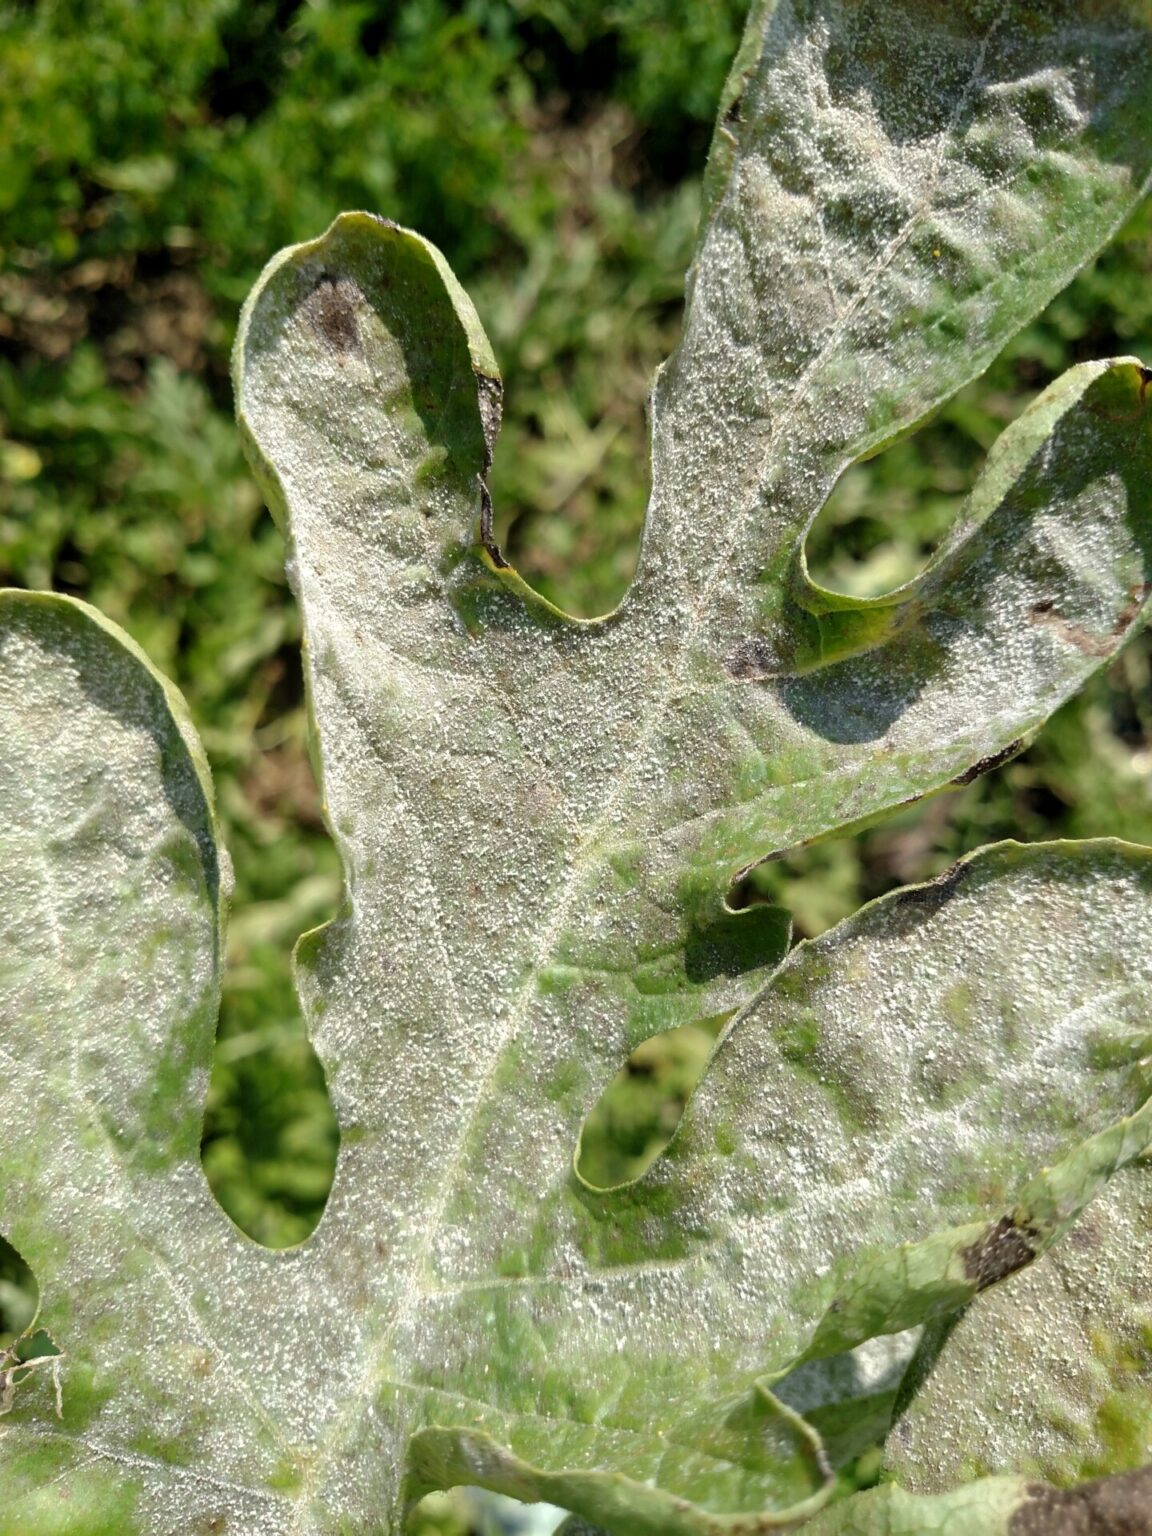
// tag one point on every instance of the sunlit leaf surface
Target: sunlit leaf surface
(541, 821)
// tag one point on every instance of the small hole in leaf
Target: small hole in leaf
(637, 1114)
(19, 1294)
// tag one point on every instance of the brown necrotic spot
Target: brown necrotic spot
(1047, 613)
(330, 310)
(490, 398)
(1003, 1249)
(752, 659)
(932, 896)
(1137, 597)
(486, 535)
(1111, 1506)
(987, 764)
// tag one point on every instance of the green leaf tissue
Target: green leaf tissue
(908, 1211)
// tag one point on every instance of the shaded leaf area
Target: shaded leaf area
(539, 822)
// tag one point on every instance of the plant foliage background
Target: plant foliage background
(156, 153)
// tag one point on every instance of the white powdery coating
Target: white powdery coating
(527, 810)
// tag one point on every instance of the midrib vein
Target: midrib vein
(572, 883)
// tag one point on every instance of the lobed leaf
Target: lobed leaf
(1000, 1506)
(541, 821)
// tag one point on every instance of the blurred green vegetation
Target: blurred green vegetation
(156, 153)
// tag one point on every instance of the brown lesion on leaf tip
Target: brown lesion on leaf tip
(1110, 1506)
(1004, 1248)
(330, 309)
(988, 764)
